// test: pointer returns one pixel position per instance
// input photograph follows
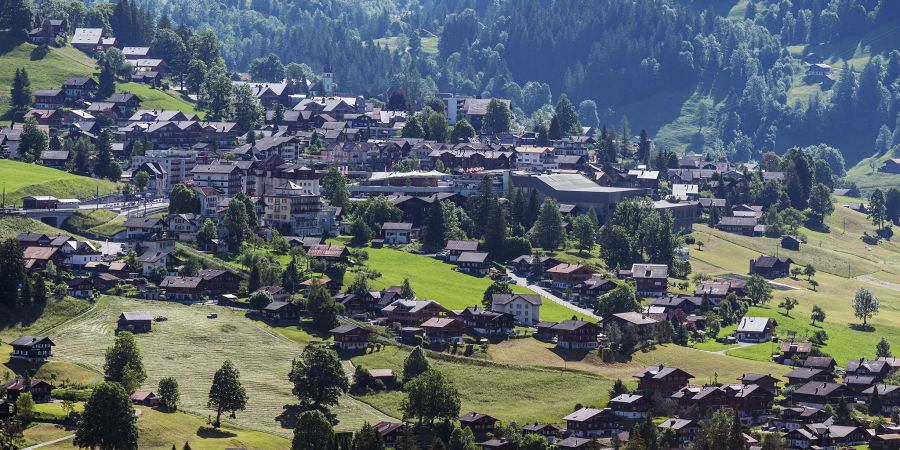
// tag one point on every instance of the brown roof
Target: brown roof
(326, 251)
(463, 246)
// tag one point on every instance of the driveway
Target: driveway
(550, 296)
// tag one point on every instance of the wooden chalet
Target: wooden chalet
(651, 280)
(662, 379)
(32, 348)
(592, 422)
(474, 263)
(413, 312)
(756, 329)
(443, 329)
(486, 322)
(771, 266)
(145, 398)
(350, 337)
(329, 252)
(576, 334)
(802, 375)
(454, 248)
(817, 394)
(480, 424)
(135, 322)
(40, 390)
(566, 276)
(686, 430)
(282, 311)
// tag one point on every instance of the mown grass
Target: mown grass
(434, 280)
(110, 228)
(191, 347)
(704, 365)
(506, 392)
(87, 219)
(23, 179)
(12, 226)
(157, 99)
(46, 73)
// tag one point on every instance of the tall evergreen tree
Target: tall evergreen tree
(20, 93)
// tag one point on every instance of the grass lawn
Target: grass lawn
(704, 365)
(867, 177)
(87, 219)
(54, 410)
(157, 99)
(110, 228)
(43, 432)
(46, 73)
(190, 347)
(508, 393)
(23, 179)
(435, 280)
(12, 226)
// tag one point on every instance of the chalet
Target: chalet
(37, 258)
(771, 266)
(390, 432)
(791, 243)
(802, 375)
(350, 337)
(480, 424)
(127, 103)
(132, 53)
(651, 279)
(413, 312)
(523, 264)
(544, 330)
(752, 402)
(397, 232)
(717, 290)
(826, 436)
(576, 334)
(474, 263)
(756, 329)
(40, 390)
(80, 287)
(135, 322)
(548, 431)
(443, 329)
(662, 379)
(792, 351)
(56, 159)
(746, 226)
(40, 202)
(817, 394)
(825, 363)
(49, 98)
(706, 399)
(525, 308)
(890, 166)
(486, 322)
(858, 383)
(354, 305)
(32, 348)
(142, 227)
(278, 293)
(576, 443)
(79, 87)
(794, 417)
(878, 368)
(592, 289)
(644, 325)
(498, 444)
(329, 252)
(566, 276)
(592, 422)
(673, 303)
(630, 406)
(218, 282)
(152, 262)
(686, 430)
(764, 381)
(182, 288)
(144, 398)
(455, 248)
(282, 311)
(888, 394)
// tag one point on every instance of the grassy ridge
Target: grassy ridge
(23, 179)
(46, 73)
(867, 177)
(12, 226)
(86, 219)
(157, 99)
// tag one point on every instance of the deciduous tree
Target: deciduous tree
(313, 432)
(318, 377)
(865, 305)
(430, 396)
(226, 393)
(108, 420)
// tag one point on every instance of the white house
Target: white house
(526, 308)
(397, 232)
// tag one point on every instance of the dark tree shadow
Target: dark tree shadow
(290, 414)
(867, 328)
(570, 355)
(213, 433)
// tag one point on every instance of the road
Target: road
(548, 295)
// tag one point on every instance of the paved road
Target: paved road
(548, 295)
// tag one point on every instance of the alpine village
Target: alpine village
(449, 225)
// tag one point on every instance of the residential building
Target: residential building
(662, 379)
(32, 348)
(397, 232)
(771, 266)
(651, 280)
(576, 334)
(474, 263)
(756, 329)
(350, 337)
(525, 308)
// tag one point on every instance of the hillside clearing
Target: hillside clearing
(24, 179)
(191, 347)
(157, 99)
(867, 177)
(506, 392)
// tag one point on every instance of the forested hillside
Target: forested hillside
(717, 76)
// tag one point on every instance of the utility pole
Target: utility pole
(98, 195)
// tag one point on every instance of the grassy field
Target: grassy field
(46, 73)
(23, 179)
(508, 393)
(87, 219)
(435, 280)
(110, 228)
(157, 99)
(190, 347)
(705, 366)
(12, 226)
(162, 430)
(867, 177)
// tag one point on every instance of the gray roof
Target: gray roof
(30, 340)
(649, 271)
(753, 324)
(132, 316)
(503, 299)
(474, 257)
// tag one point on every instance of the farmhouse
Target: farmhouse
(443, 329)
(771, 266)
(794, 351)
(756, 329)
(630, 406)
(817, 394)
(32, 348)
(592, 422)
(39, 389)
(662, 379)
(525, 308)
(474, 263)
(566, 276)
(645, 326)
(135, 322)
(329, 252)
(413, 312)
(456, 248)
(350, 337)
(480, 424)
(802, 375)
(397, 232)
(523, 264)
(576, 334)
(282, 311)
(650, 279)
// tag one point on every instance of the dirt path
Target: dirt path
(878, 282)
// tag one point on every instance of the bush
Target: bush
(40, 52)
(75, 395)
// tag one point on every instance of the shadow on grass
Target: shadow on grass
(570, 355)
(213, 433)
(867, 328)
(20, 367)
(20, 316)
(9, 41)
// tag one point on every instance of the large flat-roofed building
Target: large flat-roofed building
(576, 189)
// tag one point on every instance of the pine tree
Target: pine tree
(548, 229)
(107, 84)
(20, 94)
(435, 231)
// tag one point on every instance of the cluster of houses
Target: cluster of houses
(801, 418)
